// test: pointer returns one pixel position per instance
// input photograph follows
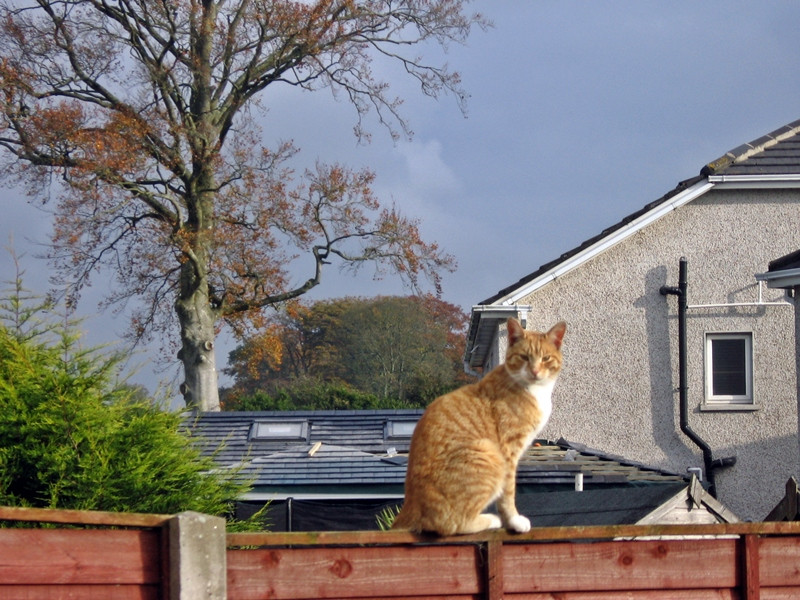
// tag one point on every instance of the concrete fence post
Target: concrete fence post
(197, 551)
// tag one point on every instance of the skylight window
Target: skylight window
(395, 430)
(279, 430)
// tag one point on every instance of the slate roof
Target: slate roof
(351, 449)
(363, 430)
(328, 465)
(777, 153)
(788, 261)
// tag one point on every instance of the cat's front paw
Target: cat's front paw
(519, 524)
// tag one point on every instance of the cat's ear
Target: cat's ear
(515, 331)
(556, 333)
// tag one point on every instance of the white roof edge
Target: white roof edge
(732, 181)
(603, 244)
(501, 308)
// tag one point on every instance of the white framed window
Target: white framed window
(729, 370)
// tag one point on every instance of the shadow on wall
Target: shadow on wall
(663, 390)
(752, 490)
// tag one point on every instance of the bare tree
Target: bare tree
(144, 113)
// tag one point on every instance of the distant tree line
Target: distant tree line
(350, 353)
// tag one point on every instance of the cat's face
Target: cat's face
(533, 357)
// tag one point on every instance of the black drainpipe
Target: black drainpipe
(710, 464)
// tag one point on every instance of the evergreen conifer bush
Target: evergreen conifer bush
(73, 437)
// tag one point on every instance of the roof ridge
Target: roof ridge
(745, 151)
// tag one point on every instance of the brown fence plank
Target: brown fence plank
(493, 569)
(780, 593)
(76, 556)
(621, 565)
(354, 572)
(751, 567)
(779, 559)
(78, 592)
(81, 517)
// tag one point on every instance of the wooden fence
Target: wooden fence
(188, 557)
(747, 561)
(110, 555)
(68, 562)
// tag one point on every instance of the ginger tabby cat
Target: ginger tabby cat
(465, 448)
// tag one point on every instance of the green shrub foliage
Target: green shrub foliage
(73, 437)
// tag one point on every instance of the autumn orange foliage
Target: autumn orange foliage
(143, 118)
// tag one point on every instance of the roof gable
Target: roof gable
(775, 154)
(773, 159)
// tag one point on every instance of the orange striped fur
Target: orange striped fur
(465, 448)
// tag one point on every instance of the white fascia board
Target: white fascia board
(678, 200)
(789, 180)
(495, 311)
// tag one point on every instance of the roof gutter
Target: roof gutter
(784, 278)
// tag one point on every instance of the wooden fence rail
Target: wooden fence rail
(110, 555)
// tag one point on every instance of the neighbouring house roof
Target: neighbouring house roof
(783, 272)
(348, 454)
(677, 502)
(350, 466)
(596, 507)
(231, 434)
(773, 159)
(788, 509)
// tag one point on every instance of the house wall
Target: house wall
(618, 389)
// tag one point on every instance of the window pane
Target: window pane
(729, 364)
(400, 429)
(279, 430)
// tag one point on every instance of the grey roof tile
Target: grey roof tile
(354, 452)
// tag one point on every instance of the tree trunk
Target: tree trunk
(195, 312)
(200, 388)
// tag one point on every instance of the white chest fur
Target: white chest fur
(543, 392)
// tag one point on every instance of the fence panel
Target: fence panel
(450, 571)
(121, 555)
(744, 561)
(779, 560)
(620, 565)
(76, 563)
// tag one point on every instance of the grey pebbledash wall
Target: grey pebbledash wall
(618, 388)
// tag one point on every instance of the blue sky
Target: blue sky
(580, 113)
